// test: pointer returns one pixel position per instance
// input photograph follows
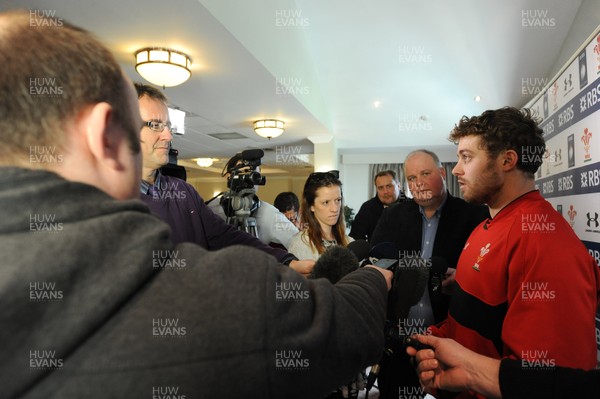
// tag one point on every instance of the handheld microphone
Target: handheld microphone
(360, 248)
(408, 288)
(414, 343)
(439, 267)
(384, 255)
(334, 263)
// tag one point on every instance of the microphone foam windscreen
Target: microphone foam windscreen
(335, 263)
(408, 288)
(360, 248)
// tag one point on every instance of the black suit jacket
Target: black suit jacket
(367, 217)
(402, 224)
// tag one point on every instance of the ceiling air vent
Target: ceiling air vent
(227, 136)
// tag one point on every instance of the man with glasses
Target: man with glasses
(177, 202)
(288, 204)
(388, 193)
(97, 300)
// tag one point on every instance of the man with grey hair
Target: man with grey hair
(388, 193)
(97, 301)
(418, 229)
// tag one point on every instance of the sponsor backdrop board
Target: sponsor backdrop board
(570, 174)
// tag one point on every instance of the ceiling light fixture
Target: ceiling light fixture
(162, 66)
(269, 128)
(204, 162)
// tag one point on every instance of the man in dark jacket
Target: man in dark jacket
(434, 224)
(177, 202)
(388, 193)
(97, 301)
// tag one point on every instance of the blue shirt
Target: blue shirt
(423, 311)
(430, 229)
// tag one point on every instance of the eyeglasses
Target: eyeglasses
(318, 176)
(158, 126)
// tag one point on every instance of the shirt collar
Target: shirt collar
(439, 208)
(145, 186)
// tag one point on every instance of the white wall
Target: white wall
(356, 180)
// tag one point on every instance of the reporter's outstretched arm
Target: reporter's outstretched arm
(338, 328)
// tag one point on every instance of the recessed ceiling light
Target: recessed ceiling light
(377, 104)
(477, 98)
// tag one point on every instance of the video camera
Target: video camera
(241, 201)
(243, 175)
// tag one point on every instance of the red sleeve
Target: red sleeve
(439, 330)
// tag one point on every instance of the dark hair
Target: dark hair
(309, 194)
(152, 92)
(385, 173)
(503, 129)
(287, 201)
(78, 71)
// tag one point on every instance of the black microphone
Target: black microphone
(439, 267)
(409, 284)
(410, 281)
(334, 263)
(384, 250)
(384, 255)
(360, 248)
(255, 153)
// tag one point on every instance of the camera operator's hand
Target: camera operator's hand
(388, 275)
(304, 267)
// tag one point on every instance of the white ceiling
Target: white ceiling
(424, 60)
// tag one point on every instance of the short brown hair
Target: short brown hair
(385, 173)
(503, 129)
(48, 76)
(152, 92)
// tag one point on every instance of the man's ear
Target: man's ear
(443, 172)
(509, 160)
(102, 138)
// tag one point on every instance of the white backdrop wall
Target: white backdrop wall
(570, 175)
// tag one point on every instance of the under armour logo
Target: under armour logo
(568, 82)
(592, 219)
